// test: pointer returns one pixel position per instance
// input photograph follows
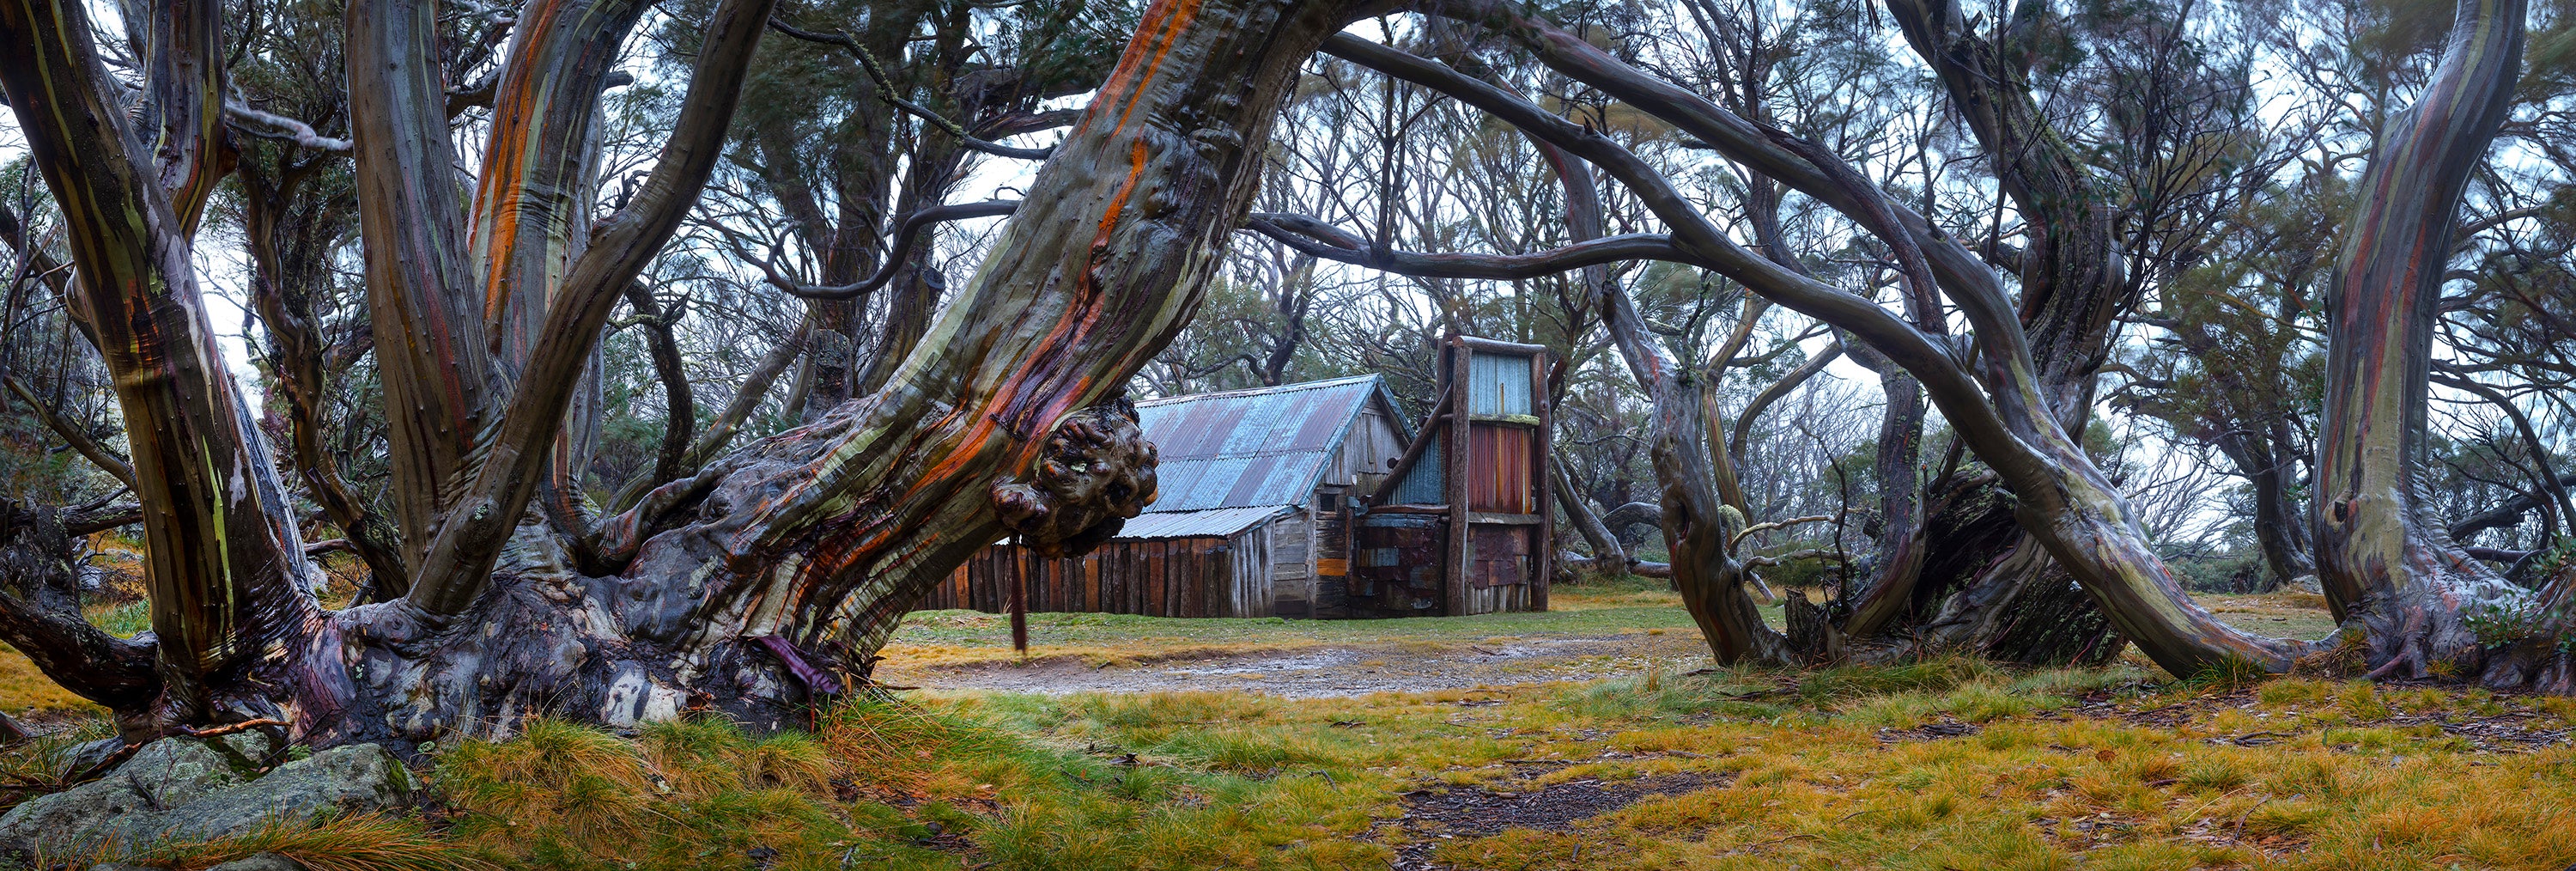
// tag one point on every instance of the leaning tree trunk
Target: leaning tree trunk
(2388, 568)
(2063, 499)
(761, 580)
(224, 567)
(2071, 286)
(772, 575)
(1692, 472)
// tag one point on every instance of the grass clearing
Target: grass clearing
(937, 639)
(1945, 763)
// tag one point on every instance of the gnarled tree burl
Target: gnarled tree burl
(762, 578)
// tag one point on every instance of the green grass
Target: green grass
(1940, 764)
(931, 638)
(1944, 763)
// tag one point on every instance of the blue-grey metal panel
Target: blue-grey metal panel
(1246, 448)
(1498, 384)
(1422, 484)
(1196, 524)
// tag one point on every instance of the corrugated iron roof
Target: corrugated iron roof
(1196, 524)
(1264, 447)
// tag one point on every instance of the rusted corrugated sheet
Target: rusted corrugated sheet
(1499, 463)
(1396, 565)
(1248, 448)
(1500, 555)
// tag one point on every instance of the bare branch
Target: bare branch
(1312, 236)
(907, 233)
(273, 126)
(886, 92)
(98, 454)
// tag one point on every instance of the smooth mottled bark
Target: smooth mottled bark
(2388, 569)
(2064, 500)
(431, 343)
(224, 567)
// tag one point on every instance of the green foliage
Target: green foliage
(123, 620)
(2505, 625)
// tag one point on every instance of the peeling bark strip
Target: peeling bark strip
(2386, 566)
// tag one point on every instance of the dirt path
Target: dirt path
(1334, 670)
(1602, 632)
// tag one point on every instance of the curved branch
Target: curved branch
(40, 616)
(1964, 401)
(98, 454)
(906, 235)
(2509, 513)
(457, 564)
(1311, 236)
(679, 402)
(2549, 482)
(1779, 524)
(1778, 390)
(885, 91)
(268, 125)
(2085, 522)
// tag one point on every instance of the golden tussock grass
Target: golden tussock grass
(362, 843)
(24, 689)
(1945, 763)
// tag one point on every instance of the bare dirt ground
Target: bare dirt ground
(1609, 633)
(1335, 670)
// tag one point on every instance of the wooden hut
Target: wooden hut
(1464, 525)
(1316, 500)
(1252, 518)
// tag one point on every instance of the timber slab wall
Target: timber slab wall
(1180, 577)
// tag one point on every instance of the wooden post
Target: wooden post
(1020, 603)
(1458, 374)
(1543, 563)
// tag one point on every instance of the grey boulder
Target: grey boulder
(190, 790)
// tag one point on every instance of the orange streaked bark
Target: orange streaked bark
(904, 485)
(533, 196)
(431, 344)
(223, 563)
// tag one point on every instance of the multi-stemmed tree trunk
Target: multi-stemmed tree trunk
(767, 576)
(2064, 500)
(1993, 393)
(1990, 591)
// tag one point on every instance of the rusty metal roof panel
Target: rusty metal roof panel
(1198, 524)
(1247, 448)
(1197, 484)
